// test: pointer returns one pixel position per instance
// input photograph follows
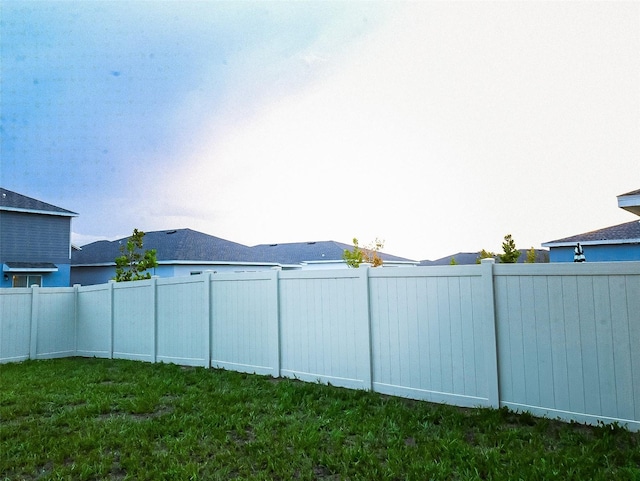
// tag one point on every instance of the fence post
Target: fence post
(365, 326)
(112, 317)
(207, 318)
(35, 314)
(491, 344)
(274, 331)
(154, 303)
(75, 318)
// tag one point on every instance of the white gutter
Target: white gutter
(189, 263)
(6, 268)
(45, 212)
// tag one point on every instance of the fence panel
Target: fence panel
(568, 340)
(182, 328)
(427, 334)
(134, 320)
(94, 335)
(56, 322)
(244, 322)
(15, 324)
(324, 327)
(556, 339)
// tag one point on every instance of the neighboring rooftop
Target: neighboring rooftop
(170, 245)
(190, 245)
(466, 258)
(315, 251)
(12, 201)
(627, 233)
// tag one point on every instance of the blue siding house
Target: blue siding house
(35, 242)
(610, 244)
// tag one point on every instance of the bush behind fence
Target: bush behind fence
(561, 340)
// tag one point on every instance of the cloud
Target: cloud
(448, 128)
(438, 126)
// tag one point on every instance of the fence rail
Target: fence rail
(560, 340)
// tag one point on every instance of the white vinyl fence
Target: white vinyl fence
(558, 340)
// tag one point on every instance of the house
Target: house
(183, 252)
(179, 252)
(610, 244)
(318, 255)
(35, 242)
(466, 258)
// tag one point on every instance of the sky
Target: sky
(436, 126)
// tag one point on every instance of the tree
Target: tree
(353, 258)
(368, 254)
(510, 253)
(485, 255)
(133, 263)
(531, 256)
(453, 262)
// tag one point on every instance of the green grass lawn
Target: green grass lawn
(102, 419)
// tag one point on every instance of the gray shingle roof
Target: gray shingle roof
(171, 245)
(628, 232)
(633, 192)
(467, 258)
(13, 201)
(190, 245)
(297, 252)
(462, 258)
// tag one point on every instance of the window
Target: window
(196, 273)
(26, 281)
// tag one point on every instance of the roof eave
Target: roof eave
(630, 203)
(226, 263)
(35, 211)
(187, 263)
(337, 261)
(591, 243)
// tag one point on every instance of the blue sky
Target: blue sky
(436, 126)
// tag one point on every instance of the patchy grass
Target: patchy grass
(102, 419)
